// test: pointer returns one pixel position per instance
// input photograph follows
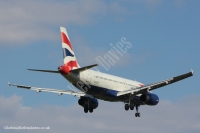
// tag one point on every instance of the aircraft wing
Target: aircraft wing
(59, 92)
(157, 85)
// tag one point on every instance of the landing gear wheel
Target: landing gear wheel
(131, 106)
(137, 114)
(91, 109)
(85, 109)
(126, 107)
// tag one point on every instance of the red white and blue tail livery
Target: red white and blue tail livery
(94, 85)
(68, 53)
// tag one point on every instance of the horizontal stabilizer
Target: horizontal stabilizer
(74, 70)
(83, 68)
(49, 71)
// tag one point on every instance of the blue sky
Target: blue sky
(164, 36)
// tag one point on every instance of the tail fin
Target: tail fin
(68, 53)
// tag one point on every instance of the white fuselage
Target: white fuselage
(100, 85)
(110, 82)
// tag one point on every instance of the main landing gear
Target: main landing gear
(88, 108)
(89, 104)
(86, 105)
(131, 107)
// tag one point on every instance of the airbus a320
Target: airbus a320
(94, 85)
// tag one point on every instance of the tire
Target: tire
(138, 114)
(85, 109)
(131, 106)
(126, 106)
(91, 109)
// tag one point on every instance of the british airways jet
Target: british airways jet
(93, 85)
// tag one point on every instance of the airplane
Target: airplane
(94, 85)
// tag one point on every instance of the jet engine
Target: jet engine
(149, 99)
(84, 101)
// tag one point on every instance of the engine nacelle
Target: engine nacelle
(149, 99)
(81, 102)
(93, 102)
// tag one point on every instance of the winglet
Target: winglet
(9, 84)
(192, 72)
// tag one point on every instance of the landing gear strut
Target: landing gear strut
(137, 114)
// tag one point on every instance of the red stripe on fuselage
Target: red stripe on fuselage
(65, 40)
(141, 85)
